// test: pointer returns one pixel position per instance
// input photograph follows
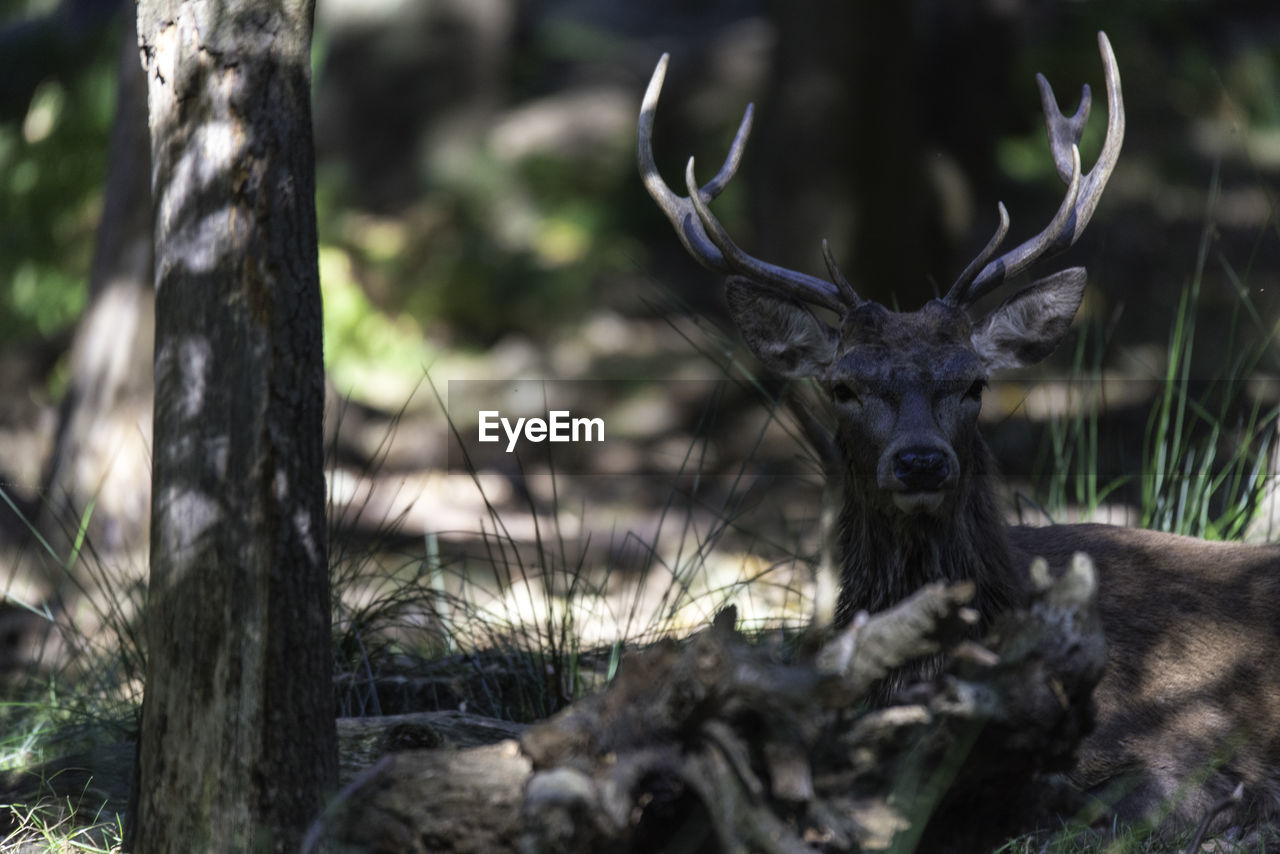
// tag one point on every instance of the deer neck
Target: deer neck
(886, 556)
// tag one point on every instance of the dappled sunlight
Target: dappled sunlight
(546, 599)
(665, 602)
(417, 504)
(480, 226)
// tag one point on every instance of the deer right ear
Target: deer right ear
(782, 332)
(1030, 324)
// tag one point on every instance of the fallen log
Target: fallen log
(428, 802)
(729, 745)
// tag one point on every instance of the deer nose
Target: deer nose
(921, 469)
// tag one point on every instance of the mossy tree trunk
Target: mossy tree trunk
(238, 744)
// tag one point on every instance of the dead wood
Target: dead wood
(428, 802)
(721, 746)
(363, 741)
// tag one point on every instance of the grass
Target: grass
(1206, 456)
(1207, 446)
(1190, 488)
(1125, 840)
(511, 629)
(86, 676)
(54, 826)
(519, 625)
(519, 640)
(515, 629)
(82, 689)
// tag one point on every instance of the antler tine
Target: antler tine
(698, 229)
(957, 294)
(1093, 183)
(1083, 193)
(847, 293)
(1064, 131)
(1025, 254)
(677, 208)
(799, 285)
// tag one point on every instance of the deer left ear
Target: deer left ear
(1030, 324)
(781, 331)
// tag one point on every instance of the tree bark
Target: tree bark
(237, 746)
(847, 160)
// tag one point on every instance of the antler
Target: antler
(1083, 193)
(703, 235)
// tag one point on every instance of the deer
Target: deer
(1188, 708)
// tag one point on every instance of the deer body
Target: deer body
(1189, 705)
(1191, 692)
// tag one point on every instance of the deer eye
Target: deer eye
(843, 393)
(975, 390)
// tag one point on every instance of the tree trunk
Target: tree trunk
(238, 748)
(847, 162)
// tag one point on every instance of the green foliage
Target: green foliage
(81, 690)
(85, 681)
(1207, 443)
(1071, 477)
(497, 244)
(52, 165)
(367, 352)
(1187, 488)
(51, 826)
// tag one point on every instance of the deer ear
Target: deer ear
(782, 332)
(1030, 324)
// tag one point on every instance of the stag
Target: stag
(1189, 705)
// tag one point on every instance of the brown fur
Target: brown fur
(1190, 702)
(1192, 687)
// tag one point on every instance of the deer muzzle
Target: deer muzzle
(918, 477)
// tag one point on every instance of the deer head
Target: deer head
(906, 387)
